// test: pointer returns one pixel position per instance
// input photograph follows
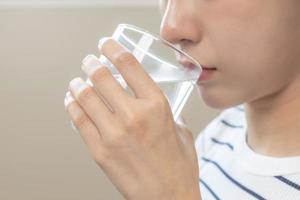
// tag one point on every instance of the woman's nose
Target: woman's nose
(179, 25)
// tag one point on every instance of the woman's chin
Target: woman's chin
(216, 105)
(217, 100)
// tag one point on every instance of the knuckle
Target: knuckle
(80, 121)
(125, 58)
(160, 104)
(100, 74)
(135, 122)
(101, 156)
(85, 95)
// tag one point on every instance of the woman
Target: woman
(250, 50)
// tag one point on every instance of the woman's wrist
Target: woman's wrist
(183, 193)
(193, 195)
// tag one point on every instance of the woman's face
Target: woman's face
(254, 44)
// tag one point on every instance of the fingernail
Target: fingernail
(101, 42)
(77, 85)
(90, 64)
(68, 99)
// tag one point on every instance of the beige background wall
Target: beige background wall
(41, 51)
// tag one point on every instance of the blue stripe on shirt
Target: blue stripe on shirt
(240, 109)
(288, 182)
(209, 189)
(222, 143)
(231, 125)
(251, 192)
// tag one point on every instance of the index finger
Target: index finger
(133, 73)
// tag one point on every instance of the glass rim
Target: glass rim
(155, 37)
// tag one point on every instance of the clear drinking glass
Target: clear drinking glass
(159, 58)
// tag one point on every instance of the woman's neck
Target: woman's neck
(274, 123)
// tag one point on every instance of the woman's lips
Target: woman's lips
(208, 67)
(207, 73)
(190, 65)
(207, 70)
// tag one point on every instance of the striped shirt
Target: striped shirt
(230, 170)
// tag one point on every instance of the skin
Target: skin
(255, 46)
(134, 139)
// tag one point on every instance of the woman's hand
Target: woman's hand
(134, 139)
